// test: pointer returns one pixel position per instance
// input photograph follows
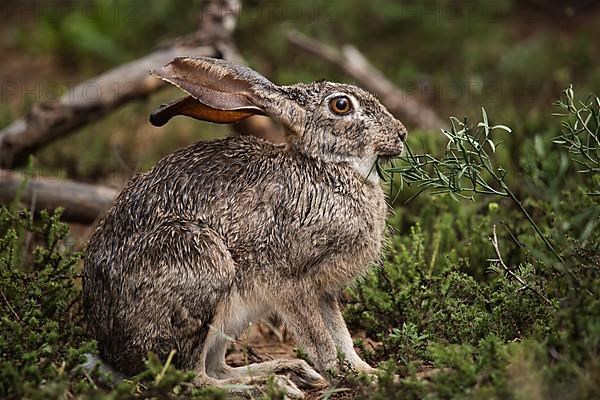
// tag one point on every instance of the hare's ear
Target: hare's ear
(219, 91)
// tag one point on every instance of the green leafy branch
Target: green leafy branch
(465, 169)
(580, 135)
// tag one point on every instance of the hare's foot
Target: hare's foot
(298, 371)
(252, 386)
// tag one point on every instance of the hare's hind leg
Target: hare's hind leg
(185, 273)
(228, 325)
(162, 296)
(298, 371)
(253, 386)
(217, 373)
(184, 300)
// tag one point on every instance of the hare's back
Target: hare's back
(192, 182)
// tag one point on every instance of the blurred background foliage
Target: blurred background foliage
(511, 57)
(438, 302)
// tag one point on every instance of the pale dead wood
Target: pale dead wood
(494, 240)
(101, 95)
(354, 63)
(85, 103)
(81, 202)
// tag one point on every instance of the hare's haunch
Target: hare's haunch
(222, 233)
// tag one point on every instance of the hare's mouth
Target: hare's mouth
(386, 160)
(391, 153)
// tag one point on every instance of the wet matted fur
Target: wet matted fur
(222, 233)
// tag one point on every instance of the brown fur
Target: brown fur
(221, 233)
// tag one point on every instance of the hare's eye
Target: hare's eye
(340, 105)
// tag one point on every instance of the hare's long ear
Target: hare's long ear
(219, 91)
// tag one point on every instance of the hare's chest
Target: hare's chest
(327, 231)
(365, 225)
(338, 235)
(343, 215)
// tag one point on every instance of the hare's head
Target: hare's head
(328, 120)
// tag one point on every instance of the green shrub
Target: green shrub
(443, 301)
(457, 315)
(42, 338)
(39, 339)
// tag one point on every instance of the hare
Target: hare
(222, 233)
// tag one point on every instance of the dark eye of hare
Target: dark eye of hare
(340, 105)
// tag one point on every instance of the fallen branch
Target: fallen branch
(99, 96)
(510, 272)
(351, 61)
(81, 202)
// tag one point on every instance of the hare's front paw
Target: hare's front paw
(364, 368)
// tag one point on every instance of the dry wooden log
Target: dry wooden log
(82, 202)
(353, 63)
(85, 103)
(97, 97)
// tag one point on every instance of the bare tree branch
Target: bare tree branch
(81, 202)
(99, 96)
(358, 67)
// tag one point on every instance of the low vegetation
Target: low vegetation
(490, 291)
(490, 286)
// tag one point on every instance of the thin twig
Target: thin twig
(539, 232)
(494, 240)
(165, 367)
(89, 378)
(9, 306)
